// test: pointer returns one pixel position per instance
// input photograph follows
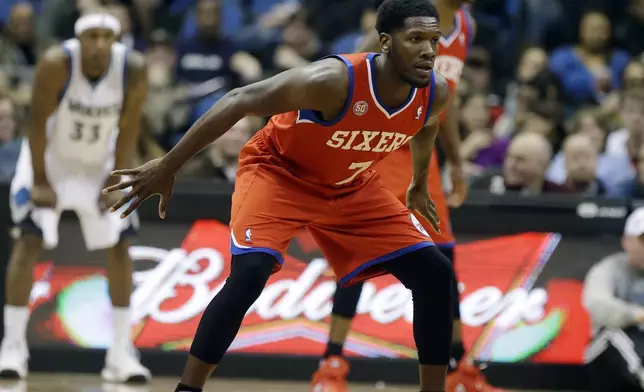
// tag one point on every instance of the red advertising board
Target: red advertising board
(514, 305)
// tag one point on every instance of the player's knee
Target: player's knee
(250, 272)
(431, 273)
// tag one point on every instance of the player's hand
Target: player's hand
(459, 187)
(146, 180)
(418, 200)
(43, 195)
(106, 200)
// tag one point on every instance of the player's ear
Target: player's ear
(385, 43)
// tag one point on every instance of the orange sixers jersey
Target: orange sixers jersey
(342, 151)
(453, 48)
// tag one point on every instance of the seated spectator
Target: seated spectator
(612, 170)
(209, 56)
(9, 140)
(633, 77)
(56, 21)
(593, 68)
(477, 70)
(17, 44)
(219, 160)
(547, 119)
(480, 149)
(122, 13)
(523, 170)
(627, 140)
(300, 45)
(613, 295)
(635, 187)
(533, 61)
(580, 156)
(536, 91)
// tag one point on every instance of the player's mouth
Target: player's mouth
(425, 68)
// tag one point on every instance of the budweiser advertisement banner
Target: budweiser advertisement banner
(520, 296)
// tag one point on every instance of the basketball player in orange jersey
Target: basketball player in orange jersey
(311, 167)
(458, 27)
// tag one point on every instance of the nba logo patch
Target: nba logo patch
(249, 235)
(360, 108)
(418, 226)
(419, 112)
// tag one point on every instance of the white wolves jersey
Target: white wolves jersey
(85, 126)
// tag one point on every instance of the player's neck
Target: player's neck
(387, 79)
(93, 73)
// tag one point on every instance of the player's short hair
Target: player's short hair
(393, 13)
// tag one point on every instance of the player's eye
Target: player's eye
(435, 41)
(416, 39)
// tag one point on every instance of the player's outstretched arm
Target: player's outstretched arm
(132, 115)
(320, 86)
(51, 76)
(422, 145)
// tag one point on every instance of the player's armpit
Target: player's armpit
(52, 74)
(132, 116)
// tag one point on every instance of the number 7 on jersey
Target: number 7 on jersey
(359, 167)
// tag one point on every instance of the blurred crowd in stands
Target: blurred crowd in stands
(552, 95)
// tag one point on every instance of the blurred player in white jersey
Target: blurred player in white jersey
(87, 104)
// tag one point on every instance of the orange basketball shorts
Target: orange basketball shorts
(396, 173)
(356, 229)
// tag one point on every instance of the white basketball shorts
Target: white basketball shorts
(77, 189)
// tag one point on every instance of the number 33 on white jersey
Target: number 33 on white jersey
(85, 126)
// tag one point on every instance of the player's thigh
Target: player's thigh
(268, 209)
(106, 230)
(371, 227)
(27, 219)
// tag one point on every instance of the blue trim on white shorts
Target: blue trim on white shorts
(235, 251)
(389, 256)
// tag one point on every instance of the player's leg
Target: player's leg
(428, 274)
(19, 282)
(379, 230)
(269, 206)
(223, 316)
(106, 231)
(345, 303)
(334, 369)
(27, 247)
(458, 349)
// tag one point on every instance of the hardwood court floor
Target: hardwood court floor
(92, 383)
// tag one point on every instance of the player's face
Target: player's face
(96, 47)
(413, 50)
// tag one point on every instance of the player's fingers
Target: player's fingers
(119, 186)
(125, 172)
(163, 205)
(133, 206)
(123, 201)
